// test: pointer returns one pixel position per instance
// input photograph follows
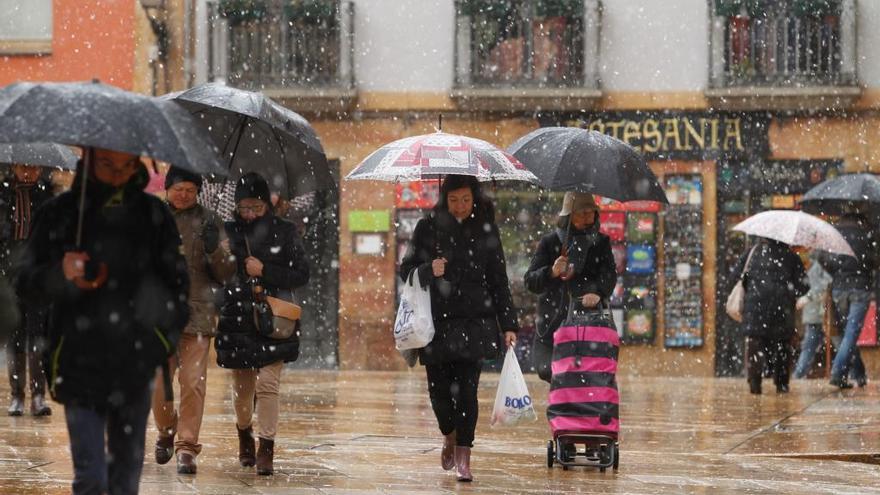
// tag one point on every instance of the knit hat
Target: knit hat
(252, 185)
(176, 175)
(576, 201)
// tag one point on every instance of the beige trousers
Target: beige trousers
(257, 387)
(192, 363)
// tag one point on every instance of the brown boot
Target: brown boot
(463, 463)
(186, 463)
(447, 454)
(164, 449)
(246, 447)
(265, 456)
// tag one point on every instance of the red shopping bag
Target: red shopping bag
(868, 337)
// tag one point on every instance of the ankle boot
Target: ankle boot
(265, 456)
(16, 407)
(39, 406)
(447, 454)
(246, 447)
(755, 386)
(463, 463)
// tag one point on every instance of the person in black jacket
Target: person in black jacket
(118, 304)
(269, 254)
(773, 280)
(851, 289)
(585, 272)
(21, 194)
(458, 254)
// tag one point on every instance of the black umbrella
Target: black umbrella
(846, 192)
(38, 154)
(256, 134)
(573, 159)
(94, 115)
(100, 116)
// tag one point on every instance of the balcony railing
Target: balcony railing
(782, 47)
(526, 43)
(281, 45)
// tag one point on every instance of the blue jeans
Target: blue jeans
(851, 307)
(813, 338)
(119, 472)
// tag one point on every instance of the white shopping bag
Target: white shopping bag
(512, 402)
(414, 325)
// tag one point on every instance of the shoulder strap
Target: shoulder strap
(745, 271)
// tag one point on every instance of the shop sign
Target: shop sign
(369, 221)
(679, 135)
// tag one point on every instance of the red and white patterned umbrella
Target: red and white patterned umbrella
(432, 156)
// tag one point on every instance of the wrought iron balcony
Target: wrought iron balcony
(785, 50)
(527, 49)
(295, 49)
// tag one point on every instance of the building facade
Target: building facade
(738, 106)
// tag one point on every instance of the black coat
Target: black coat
(105, 344)
(39, 193)
(595, 273)
(850, 273)
(774, 281)
(276, 244)
(471, 303)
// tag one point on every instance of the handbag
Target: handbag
(737, 296)
(274, 317)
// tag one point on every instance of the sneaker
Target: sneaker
(840, 383)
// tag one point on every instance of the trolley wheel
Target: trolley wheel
(551, 456)
(564, 467)
(601, 469)
(616, 456)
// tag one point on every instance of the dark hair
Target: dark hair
(482, 205)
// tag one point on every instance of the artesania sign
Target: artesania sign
(685, 135)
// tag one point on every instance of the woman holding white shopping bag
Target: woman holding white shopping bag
(457, 252)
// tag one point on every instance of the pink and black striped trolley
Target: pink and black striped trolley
(584, 401)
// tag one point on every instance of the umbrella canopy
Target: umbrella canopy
(101, 116)
(796, 228)
(38, 154)
(256, 134)
(439, 154)
(835, 196)
(573, 159)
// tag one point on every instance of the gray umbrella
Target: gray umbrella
(573, 159)
(39, 154)
(848, 191)
(256, 134)
(100, 116)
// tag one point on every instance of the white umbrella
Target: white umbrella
(796, 228)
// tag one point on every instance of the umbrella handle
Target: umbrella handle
(99, 280)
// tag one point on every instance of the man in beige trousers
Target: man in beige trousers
(210, 265)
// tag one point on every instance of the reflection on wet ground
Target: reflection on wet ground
(374, 432)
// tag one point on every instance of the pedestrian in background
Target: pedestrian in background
(585, 272)
(209, 266)
(21, 194)
(773, 277)
(812, 306)
(851, 290)
(269, 254)
(118, 304)
(458, 254)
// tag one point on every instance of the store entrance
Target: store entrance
(743, 190)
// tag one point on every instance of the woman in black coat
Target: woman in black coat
(268, 254)
(586, 273)
(774, 279)
(457, 252)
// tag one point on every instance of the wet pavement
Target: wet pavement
(374, 432)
